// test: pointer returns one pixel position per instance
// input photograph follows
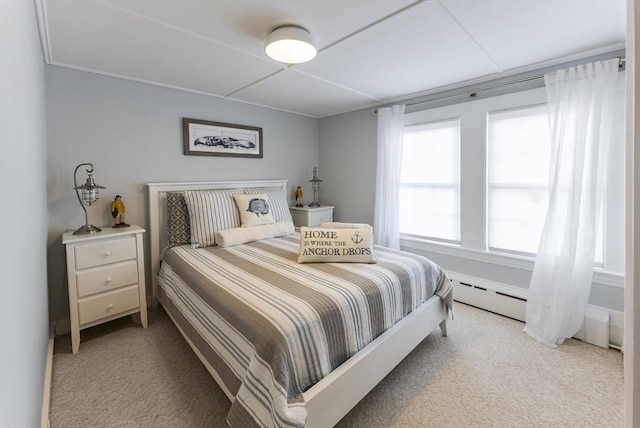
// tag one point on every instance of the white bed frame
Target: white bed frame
(333, 397)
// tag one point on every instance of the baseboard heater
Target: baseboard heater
(511, 302)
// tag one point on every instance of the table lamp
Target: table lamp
(315, 185)
(88, 194)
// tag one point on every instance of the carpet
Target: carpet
(487, 373)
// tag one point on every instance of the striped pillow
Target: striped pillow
(277, 201)
(209, 212)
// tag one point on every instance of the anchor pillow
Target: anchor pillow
(321, 245)
(254, 209)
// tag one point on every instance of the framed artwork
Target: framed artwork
(206, 138)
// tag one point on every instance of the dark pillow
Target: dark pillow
(178, 227)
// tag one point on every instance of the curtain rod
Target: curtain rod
(473, 92)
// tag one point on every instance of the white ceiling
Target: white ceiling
(370, 52)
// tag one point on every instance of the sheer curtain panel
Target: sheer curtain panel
(584, 109)
(387, 206)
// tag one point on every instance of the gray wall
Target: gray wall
(24, 320)
(132, 133)
(348, 165)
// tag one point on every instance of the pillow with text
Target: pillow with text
(321, 245)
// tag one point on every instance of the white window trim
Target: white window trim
(612, 279)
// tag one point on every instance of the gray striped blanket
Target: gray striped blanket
(277, 327)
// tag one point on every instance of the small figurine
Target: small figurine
(117, 211)
(299, 197)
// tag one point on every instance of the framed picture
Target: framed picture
(205, 138)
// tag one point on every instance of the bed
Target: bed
(256, 317)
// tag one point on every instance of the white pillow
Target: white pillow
(277, 201)
(254, 209)
(340, 225)
(209, 212)
(242, 235)
(319, 245)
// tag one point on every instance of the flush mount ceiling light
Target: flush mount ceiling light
(290, 44)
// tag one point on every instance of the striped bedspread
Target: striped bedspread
(277, 327)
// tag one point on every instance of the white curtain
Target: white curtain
(386, 219)
(583, 112)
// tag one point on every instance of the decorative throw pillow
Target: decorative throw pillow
(320, 245)
(209, 212)
(242, 235)
(178, 227)
(277, 201)
(254, 209)
(341, 225)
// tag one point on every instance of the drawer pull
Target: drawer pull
(110, 306)
(107, 253)
(108, 280)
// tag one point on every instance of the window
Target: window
(518, 156)
(480, 181)
(430, 181)
(518, 150)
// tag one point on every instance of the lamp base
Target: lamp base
(87, 229)
(314, 204)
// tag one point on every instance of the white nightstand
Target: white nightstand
(311, 217)
(106, 280)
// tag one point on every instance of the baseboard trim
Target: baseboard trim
(510, 301)
(48, 377)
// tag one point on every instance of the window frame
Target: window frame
(473, 246)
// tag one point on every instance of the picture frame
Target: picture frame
(207, 138)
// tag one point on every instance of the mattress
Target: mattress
(271, 327)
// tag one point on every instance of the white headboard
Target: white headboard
(158, 212)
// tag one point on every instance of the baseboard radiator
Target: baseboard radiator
(511, 301)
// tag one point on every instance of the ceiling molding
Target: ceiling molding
(41, 19)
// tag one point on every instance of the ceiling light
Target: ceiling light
(290, 44)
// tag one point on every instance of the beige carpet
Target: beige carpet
(487, 373)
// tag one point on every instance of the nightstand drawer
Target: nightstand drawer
(299, 218)
(98, 280)
(311, 216)
(108, 304)
(105, 252)
(320, 216)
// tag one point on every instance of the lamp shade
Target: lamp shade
(290, 44)
(89, 192)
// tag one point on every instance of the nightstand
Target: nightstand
(106, 279)
(311, 217)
